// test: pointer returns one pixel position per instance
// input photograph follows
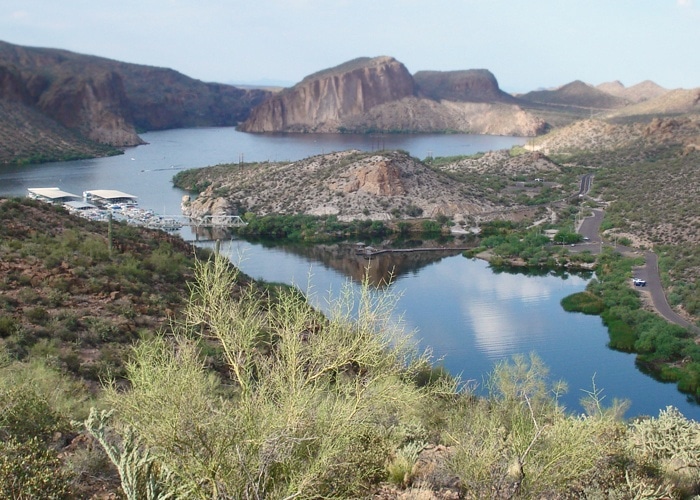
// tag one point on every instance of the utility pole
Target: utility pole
(109, 233)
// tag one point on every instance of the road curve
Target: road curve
(650, 273)
(590, 228)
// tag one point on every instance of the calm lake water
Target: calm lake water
(471, 316)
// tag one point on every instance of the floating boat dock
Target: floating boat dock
(100, 204)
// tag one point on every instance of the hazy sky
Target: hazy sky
(526, 44)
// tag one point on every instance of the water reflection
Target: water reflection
(379, 270)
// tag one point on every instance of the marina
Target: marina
(101, 204)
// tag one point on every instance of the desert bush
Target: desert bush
(26, 415)
(309, 399)
(8, 326)
(37, 315)
(401, 464)
(521, 441)
(50, 392)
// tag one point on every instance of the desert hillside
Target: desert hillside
(349, 184)
(101, 101)
(671, 103)
(575, 94)
(632, 139)
(28, 136)
(384, 185)
(642, 91)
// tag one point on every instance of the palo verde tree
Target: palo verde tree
(307, 406)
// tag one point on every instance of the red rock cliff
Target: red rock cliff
(321, 101)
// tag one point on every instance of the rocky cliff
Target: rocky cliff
(107, 101)
(93, 105)
(90, 103)
(379, 95)
(323, 101)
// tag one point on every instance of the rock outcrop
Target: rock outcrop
(323, 101)
(349, 184)
(473, 85)
(382, 178)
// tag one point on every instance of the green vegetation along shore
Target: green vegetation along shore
(667, 351)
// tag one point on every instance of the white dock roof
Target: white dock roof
(110, 194)
(52, 193)
(79, 205)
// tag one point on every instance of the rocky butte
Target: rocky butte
(323, 101)
(380, 95)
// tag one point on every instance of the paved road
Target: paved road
(650, 273)
(590, 228)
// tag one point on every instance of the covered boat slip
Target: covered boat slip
(109, 197)
(52, 195)
(102, 197)
(79, 205)
(102, 204)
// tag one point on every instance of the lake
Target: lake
(469, 315)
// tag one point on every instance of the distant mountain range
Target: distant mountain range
(58, 105)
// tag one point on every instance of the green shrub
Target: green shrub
(46, 393)
(584, 302)
(28, 469)
(622, 335)
(37, 315)
(8, 326)
(26, 415)
(520, 441)
(400, 466)
(430, 226)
